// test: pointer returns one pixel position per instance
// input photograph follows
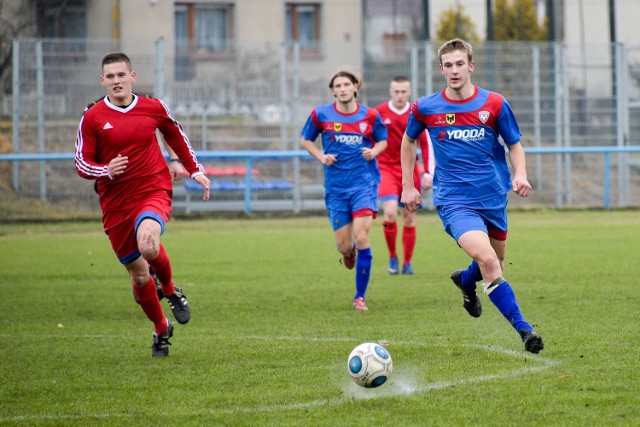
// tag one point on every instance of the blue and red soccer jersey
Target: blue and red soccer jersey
(344, 135)
(471, 161)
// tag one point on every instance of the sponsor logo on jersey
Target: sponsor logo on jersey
(440, 121)
(387, 121)
(107, 126)
(362, 127)
(337, 127)
(349, 139)
(484, 116)
(450, 118)
(466, 134)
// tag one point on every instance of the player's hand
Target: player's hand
(176, 170)
(329, 159)
(521, 186)
(367, 153)
(205, 183)
(411, 199)
(117, 166)
(426, 181)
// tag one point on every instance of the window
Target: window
(64, 21)
(303, 25)
(202, 31)
(203, 27)
(61, 19)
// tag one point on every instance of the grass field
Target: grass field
(272, 326)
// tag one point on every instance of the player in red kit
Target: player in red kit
(395, 114)
(117, 145)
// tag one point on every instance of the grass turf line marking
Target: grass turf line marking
(396, 388)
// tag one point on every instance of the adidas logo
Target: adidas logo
(387, 121)
(107, 126)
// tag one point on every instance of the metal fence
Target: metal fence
(258, 97)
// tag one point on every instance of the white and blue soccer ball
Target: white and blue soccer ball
(370, 365)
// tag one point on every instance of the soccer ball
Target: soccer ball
(370, 365)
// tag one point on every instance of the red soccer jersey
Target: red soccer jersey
(396, 123)
(107, 130)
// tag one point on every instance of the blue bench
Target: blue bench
(240, 186)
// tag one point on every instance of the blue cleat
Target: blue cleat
(393, 265)
(406, 269)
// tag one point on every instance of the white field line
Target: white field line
(399, 386)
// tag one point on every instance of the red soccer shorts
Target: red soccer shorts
(121, 225)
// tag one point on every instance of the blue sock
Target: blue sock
(471, 275)
(502, 296)
(363, 271)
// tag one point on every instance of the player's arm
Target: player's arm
(85, 155)
(411, 197)
(517, 158)
(427, 160)
(175, 167)
(312, 148)
(310, 132)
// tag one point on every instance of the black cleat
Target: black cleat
(179, 306)
(160, 347)
(532, 341)
(471, 301)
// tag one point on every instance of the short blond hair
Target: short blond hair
(455, 44)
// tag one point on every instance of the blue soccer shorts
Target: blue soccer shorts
(489, 216)
(343, 207)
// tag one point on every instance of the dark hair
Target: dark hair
(112, 58)
(455, 44)
(347, 74)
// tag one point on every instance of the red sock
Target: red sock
(150, 304)
(162, 267)
(390, 235)
(408, 242)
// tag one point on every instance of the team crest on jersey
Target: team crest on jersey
(451, 118)
(362, 126)
(337, 127)
(484, 116)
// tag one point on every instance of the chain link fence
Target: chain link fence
(258, 97)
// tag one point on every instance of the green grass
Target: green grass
(272, 327)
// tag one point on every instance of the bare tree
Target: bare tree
(16, 18)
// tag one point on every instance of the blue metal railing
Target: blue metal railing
(250, 156)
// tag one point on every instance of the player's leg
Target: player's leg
(389, 191)
(345, 244)
(361, 227)
(150, 225)
(340, 218)
(390, 229)
(144, 289)
(488, 249)
(408, 240)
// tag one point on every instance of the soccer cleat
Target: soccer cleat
(349, 259)
(471, 301)
(359, 304)
(406, 269)
(532, 341)
(160, 347)
(393, 265)
(179, 306)
(158, 287)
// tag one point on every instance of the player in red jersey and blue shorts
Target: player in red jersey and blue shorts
(116, 145)
(395, 114)
(472, 179)
(353, 135)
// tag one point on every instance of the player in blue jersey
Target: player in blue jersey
(352, 137)
(472, 179)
